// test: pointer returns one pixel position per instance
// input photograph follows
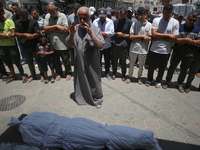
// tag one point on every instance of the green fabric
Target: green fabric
(5, 28)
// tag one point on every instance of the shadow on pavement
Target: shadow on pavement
(12, 135)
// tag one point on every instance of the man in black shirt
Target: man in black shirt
(28, 30)
(122, 27)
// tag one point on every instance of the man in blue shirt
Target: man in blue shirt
(107, 29)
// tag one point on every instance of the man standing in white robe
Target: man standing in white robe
(88, 41)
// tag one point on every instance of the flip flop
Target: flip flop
(180, 88)
(165, 85)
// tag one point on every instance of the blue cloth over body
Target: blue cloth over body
(46, 129)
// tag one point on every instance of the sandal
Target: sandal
(4, 78)
(9, 80)
(128, 81)
(180, 88)
(24, 80)
(58, 77)
(123, 79)
(158, 85)
(113, 77)
(148, 83)
(165, 85)
(187, 90)
(68, 77)
(139, 81)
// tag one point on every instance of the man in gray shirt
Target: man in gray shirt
(57, 25)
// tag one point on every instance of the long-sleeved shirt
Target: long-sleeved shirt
(108, 28)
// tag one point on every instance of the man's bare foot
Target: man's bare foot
(30, 79)
(4, 78)
(58, 77)
(68, 77)
(42, 79)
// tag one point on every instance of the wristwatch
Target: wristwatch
(7, 35)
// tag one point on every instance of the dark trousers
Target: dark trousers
(157, 60)
(119, 52)
(64, 54)
(9, 54)
(47, 61)
(107, 54)
(185, 63)
(71, 50)
(2, 68)
(193, 70)
(29, 54)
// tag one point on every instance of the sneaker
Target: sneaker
(108, 76)
(46, 81)
(52, 80)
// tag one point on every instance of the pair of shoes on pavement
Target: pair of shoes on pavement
(46, 81)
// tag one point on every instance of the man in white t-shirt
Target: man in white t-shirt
(140, 33)
(165, 31)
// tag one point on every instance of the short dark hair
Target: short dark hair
(121, 10)
(194, 14)
(76, 6)
(22, 10)
(35, 10)
(15, 4)
(70, 6)
(168, 7)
